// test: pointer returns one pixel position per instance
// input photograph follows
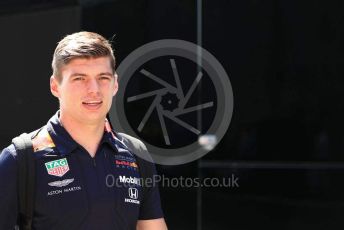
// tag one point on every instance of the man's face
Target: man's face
(86, 89)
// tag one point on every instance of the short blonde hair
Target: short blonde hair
(81, 45)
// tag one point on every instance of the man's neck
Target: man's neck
(87, 135)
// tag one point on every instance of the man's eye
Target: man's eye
(77, 79)
(104, 78)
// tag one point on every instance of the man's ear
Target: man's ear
(115, 84)
(54, 86)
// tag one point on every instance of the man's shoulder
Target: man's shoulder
(11, 150)
(126, 138)
(8, 151)
(136, 146)
(38, 137)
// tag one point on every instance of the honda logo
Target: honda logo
(133, 193)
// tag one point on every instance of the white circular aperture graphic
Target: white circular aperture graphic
(218, 76)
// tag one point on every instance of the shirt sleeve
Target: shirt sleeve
(8, 188)
(151, 205)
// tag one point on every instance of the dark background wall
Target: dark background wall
(285, 61)
(28, 40)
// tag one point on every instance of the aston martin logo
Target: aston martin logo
(61, 183)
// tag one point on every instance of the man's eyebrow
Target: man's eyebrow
(78, 75)
(85, 75)
(105, 73)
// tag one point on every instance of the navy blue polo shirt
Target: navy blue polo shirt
(76, 191)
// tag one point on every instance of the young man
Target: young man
(77, 155)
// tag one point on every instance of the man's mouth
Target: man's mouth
(92, 102)
(92, 105)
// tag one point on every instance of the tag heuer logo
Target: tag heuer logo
(57, 167)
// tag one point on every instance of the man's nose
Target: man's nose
(93, 86)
